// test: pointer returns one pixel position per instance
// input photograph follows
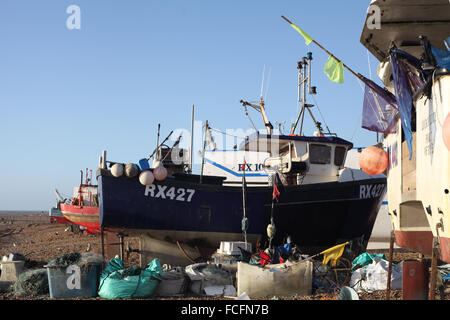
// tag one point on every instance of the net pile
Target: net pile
(81, 260)
(31, 283)
(35, 282)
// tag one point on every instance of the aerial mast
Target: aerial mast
(304, 81)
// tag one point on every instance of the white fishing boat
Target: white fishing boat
(411, 44)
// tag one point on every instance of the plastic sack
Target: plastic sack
(373, 277)
(365, 259)
(117, 282)
(202, 275)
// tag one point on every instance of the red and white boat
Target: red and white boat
(83, 208)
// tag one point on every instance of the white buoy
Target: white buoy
(131, 170)
(146, 178)
(271, 230)
(117, 170)
(160, 172)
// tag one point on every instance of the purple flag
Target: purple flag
(379, 108)
(403, 94)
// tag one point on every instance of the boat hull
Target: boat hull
(421, 241)
(57, 217)
(85, 216)
(316, 216)
(418, 187)
(418, 241)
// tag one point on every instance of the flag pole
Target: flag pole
(244, 195)
(355, 74)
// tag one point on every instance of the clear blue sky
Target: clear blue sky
(66, 95)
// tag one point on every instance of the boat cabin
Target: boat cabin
(85, 195)
(299, 159)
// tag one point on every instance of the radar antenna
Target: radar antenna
(304, 80)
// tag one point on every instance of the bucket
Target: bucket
(415, 280)
(73, 281)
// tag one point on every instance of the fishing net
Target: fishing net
(34, 282)
(90, 258)
(65, 260)
(31, 283)
(83, 260)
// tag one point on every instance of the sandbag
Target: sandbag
(117, 282)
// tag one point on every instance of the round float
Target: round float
(373, 160)
(146, 178)
(117, 170)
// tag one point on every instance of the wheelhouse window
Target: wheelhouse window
(339, 155)
(319, 154)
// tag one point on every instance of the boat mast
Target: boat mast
(157, 143)
(192, 141)
(304, 80)
(203, 151)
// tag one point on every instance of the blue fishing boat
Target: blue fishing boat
(297, 184)
(317, 216)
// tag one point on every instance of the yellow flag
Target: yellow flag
(333, 254)
(334, 70)
(308, 38)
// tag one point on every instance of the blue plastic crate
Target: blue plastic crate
(73, 281)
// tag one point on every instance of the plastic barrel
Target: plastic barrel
(415, 280)
(73, 281)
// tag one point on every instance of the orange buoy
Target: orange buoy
(373, 160)
(446, 132)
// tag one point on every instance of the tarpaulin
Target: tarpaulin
(442, 57)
